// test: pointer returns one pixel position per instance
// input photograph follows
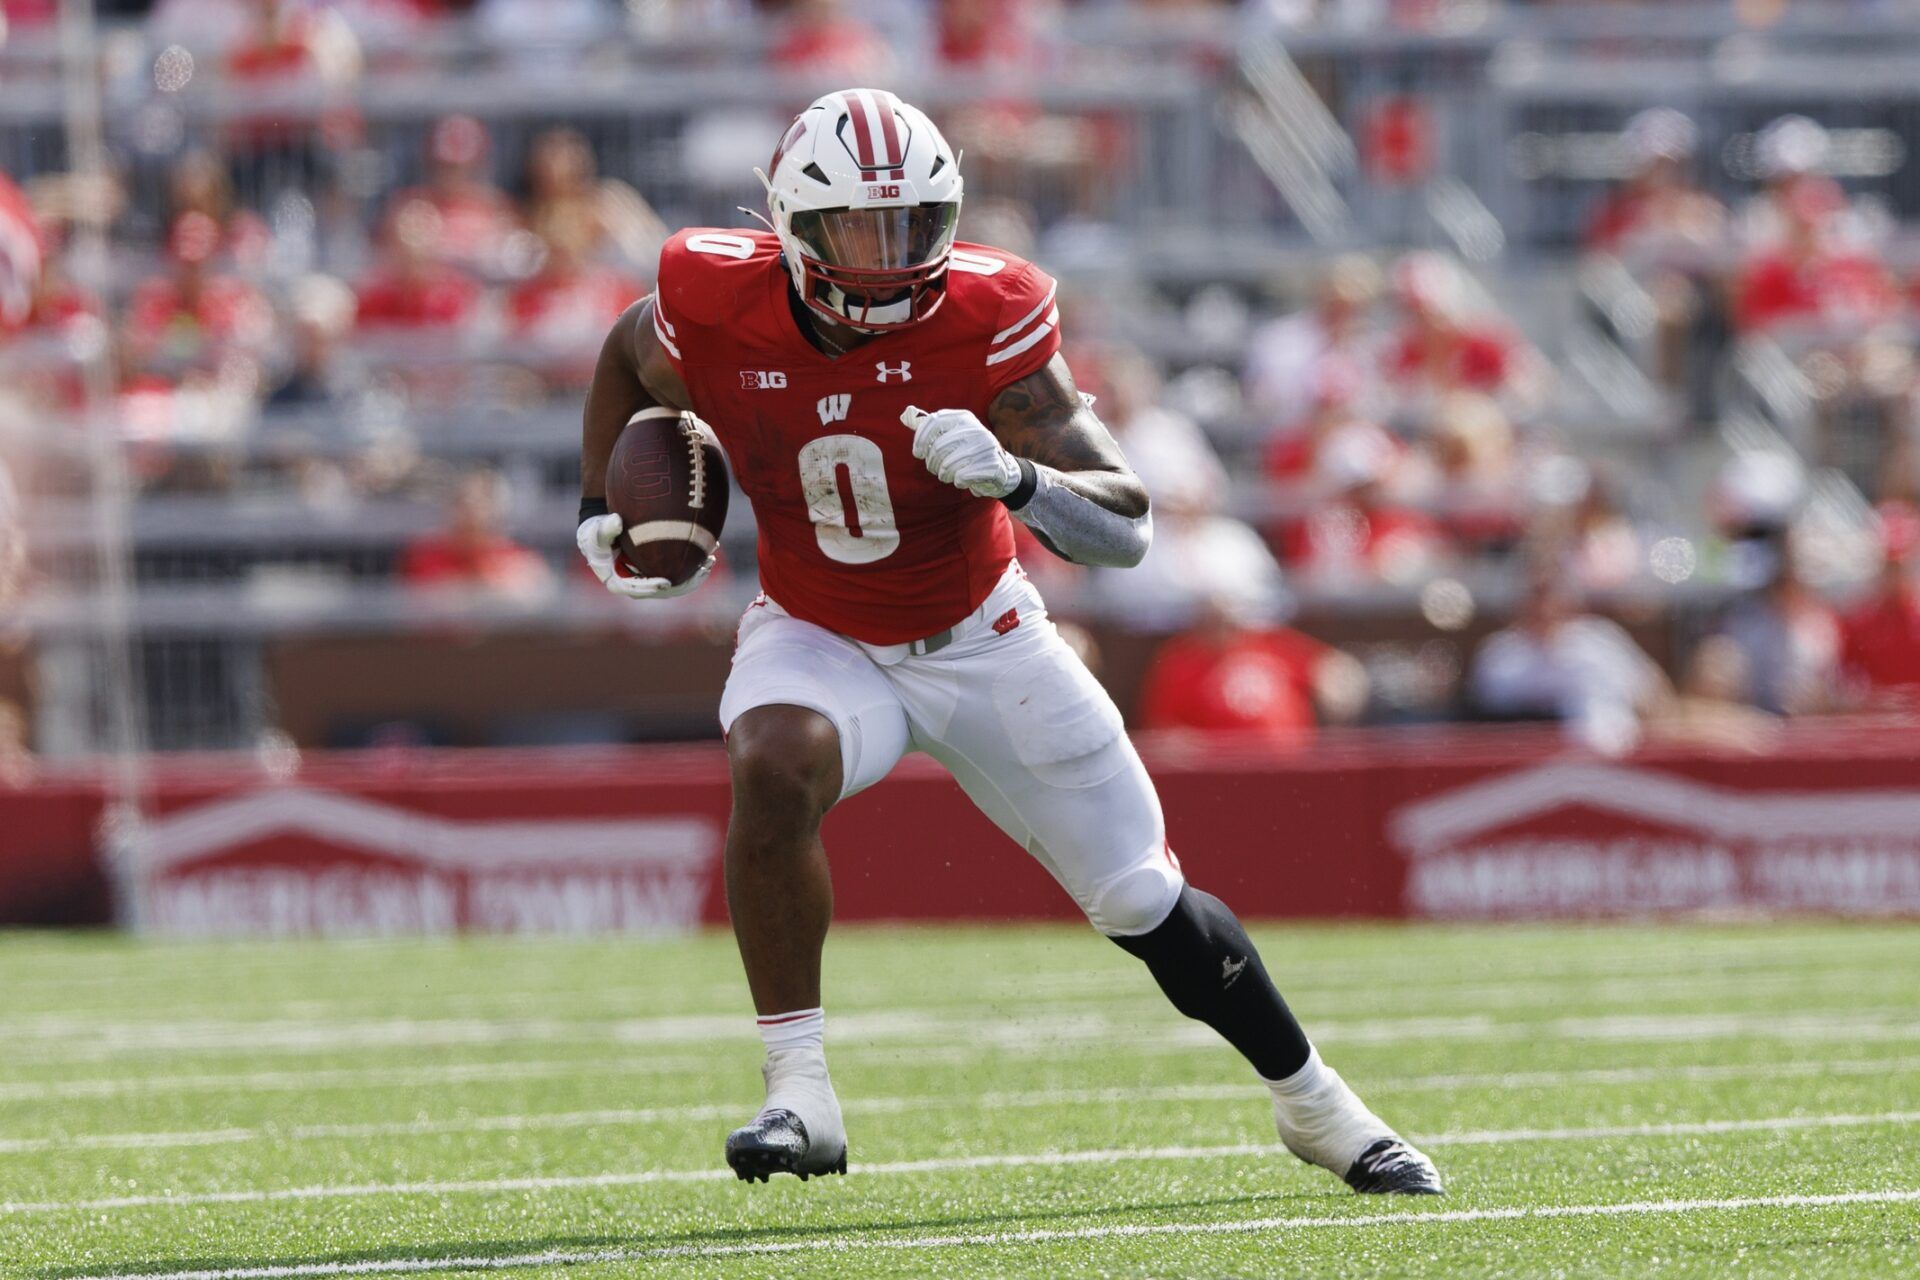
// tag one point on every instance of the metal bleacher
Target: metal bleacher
(1234, 167)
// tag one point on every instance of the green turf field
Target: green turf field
(1674, 1101)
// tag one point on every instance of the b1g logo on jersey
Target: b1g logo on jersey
(883, 191)
(762, 380)
(833, 408)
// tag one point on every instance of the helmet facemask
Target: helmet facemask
(873, 269)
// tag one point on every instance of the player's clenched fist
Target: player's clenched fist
(598, 538)
(958, 448)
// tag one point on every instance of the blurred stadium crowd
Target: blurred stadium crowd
(1465, 387)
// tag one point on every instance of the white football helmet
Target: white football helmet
(864, 195)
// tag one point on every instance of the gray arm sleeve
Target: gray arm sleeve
(1083, 531)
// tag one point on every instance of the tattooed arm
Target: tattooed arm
(1043, 453)
(1042, 420)
(1075, 491)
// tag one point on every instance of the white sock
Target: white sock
(1305, 1082)
(797, 1080)
(800, 1029)
(1321, 1120)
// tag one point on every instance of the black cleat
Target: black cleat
(776, 1142)
(1391, 1167)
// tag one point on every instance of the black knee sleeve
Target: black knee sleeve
(1204, 961)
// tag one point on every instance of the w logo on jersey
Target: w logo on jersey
(833, 408)
(893, 371)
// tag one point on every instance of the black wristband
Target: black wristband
(591, 507)
(1023, 492)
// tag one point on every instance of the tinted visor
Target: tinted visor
(884, 240)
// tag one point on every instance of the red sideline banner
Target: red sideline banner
(1444, 824)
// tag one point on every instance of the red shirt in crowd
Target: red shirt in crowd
(1253, 681)
(835, 45)
(1635, 207)
(227, 309)
(441, 559)
(1473, 360)
(29, 13)
(474, 219)
(278, 51)
(244, 237)
(426, 298)
(270, 59)
(54, 307)
(564, 305)
(1290, 455)
(1776, 289)
(1880, 642)
(1376, 541)
(983, 33)
(1296, 454)
(1619, 215)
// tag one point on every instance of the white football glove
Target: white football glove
(597, 537)
(959, 449)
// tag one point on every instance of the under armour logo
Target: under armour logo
(1230, 971)
(833, 408)
(896, 371)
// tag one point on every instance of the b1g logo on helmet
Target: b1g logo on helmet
(762, 380)
(883, 191)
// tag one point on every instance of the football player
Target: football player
(889, 399)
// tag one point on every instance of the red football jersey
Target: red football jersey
(855, 534)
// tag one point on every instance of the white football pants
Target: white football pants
(1013, 714)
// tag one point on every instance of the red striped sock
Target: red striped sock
(800, 1029)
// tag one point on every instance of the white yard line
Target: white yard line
(160, 970)
(1475, 991)
(613, 1116)
(457, 1073)
(1677, 1128)
(241, 1082)
(1441, 1083)
(1041, 1159)
(71, 1040)
(844, 1243)
(1620, 943)
(463, 1013)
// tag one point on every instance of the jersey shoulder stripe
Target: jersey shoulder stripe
(663, 328)
(1038, 334)
(1012, 302)
(1020, 324)
(1026, 322)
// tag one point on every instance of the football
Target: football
(667, 481)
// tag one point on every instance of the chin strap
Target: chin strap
(900, 311)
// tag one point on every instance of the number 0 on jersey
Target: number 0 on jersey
(844, 479)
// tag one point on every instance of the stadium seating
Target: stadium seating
(359, 266)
